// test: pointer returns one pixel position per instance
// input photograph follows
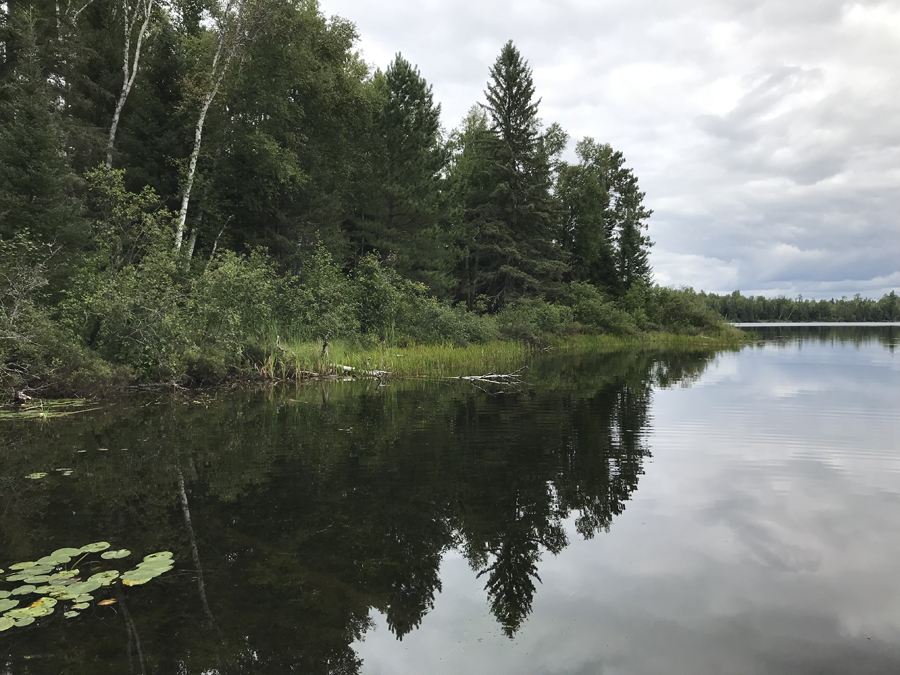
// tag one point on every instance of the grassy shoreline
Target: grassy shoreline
(306, 360)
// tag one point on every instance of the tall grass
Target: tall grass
(304, 359)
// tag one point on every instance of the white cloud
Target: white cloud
(764, 132)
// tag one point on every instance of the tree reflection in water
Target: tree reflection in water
(312, 507)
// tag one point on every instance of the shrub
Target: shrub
(535, 320)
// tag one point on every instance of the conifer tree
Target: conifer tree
(35, 175)
(529, 258)
(407, 173)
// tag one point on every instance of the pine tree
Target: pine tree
(35, 174)
(407, 174)
(529, 259)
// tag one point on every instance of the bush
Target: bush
(535, 320)
(597, 314)
(324, 305)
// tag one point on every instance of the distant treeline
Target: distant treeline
(183, 182)
(740, 308)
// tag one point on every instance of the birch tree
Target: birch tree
(229, 27)
(134, 11)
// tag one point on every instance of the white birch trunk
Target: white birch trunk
(225, 49)
(129, 67)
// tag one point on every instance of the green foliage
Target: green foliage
(740, 308)
(534, 320)
(595, 313)
(324, 305)
(36, 180)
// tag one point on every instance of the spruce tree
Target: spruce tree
(407, 174)
(529, 258)
(35, 175)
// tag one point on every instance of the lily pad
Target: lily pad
(44, 602)
(61, 576)
(83, 587)
(4, 594)
(7, 604)
(40, 610)
(40, 579)
(22, 565)
(158, 556)
(105, 578)
(71, 552)
(85, 597)
(17, 577)
(81, 605)
(37, 475)
(24, 621)
(71, 615)
(52, 561)
(23, 590)
(115, 555)
(6, 623)
(17, 613)
(136, 582)
(95, 547)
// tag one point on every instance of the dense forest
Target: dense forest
(736, 307)
(185, 184)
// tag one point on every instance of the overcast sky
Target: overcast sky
(766, 133)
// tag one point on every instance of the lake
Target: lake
(688, 512)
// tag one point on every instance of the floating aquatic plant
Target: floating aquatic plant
(44, 578)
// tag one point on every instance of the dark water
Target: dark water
(691, 512)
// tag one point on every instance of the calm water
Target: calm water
(676, 513)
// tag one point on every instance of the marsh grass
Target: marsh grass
(304, 359)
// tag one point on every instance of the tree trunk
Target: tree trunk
(129, 67)
(225, 50)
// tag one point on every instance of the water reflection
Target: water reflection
(292, 516)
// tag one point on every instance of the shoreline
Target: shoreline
(307, 362)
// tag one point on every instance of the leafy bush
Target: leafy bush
(535, 320)
(324, 305)
(595, 313)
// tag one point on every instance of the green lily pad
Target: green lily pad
(81, 605)
(23, 590)
(40, 579)
(115, 555)
(85, 597)
(105, 578)
(24, 621)
(22, 565)
(36, 475)
(71, 615)
(60, 576)
(17, 613)
(52, 561)
(4, 594)
(50, 589)
(96, 547)
(7, 604)
(17, 577)
(6, 623)
(158, 556)
(71, 552)
(83, 587)
(40, 610)
(47, 602)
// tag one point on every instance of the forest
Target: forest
(188, 186)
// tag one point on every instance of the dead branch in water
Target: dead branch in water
(496, 378)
